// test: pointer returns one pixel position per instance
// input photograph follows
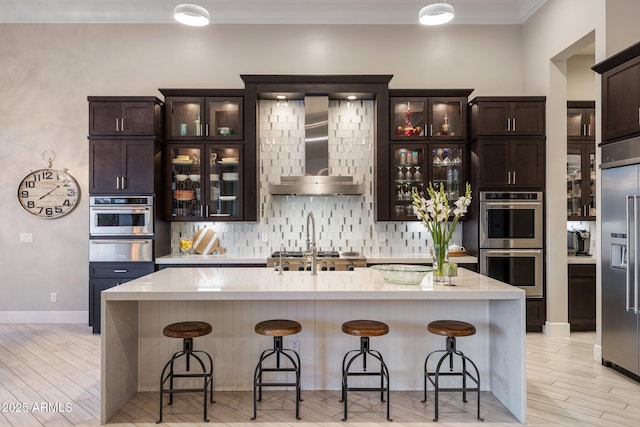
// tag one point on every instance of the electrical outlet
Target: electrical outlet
(295, 346)
(26, 237)
(53, 297)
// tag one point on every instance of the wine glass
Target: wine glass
(400, 174)
(417, 176)
(408, 175)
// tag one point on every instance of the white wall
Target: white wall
(581, 80)
(48, 71)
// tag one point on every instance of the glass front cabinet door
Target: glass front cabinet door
(204, 182)
(581, 182)
(432, 118)
(215, 118)
(408, 173)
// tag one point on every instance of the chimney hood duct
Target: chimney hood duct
(316, 181)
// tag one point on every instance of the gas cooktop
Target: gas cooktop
(321, 254)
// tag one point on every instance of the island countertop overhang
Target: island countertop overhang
(264, 283)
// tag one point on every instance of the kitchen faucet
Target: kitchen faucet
(280, 266)
(312, 248)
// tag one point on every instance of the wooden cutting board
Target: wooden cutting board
(206, 241)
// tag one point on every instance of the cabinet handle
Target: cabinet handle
(122, 125)
(508, 178)
(589, 130)
(514, 178)
(117, 125)
(584, 130)
(639, 116)
(207, 211)
(514, 125)
(123, 182)
(431, 129)
(206, 130)
(508, 125)
(121, 271)
(117, 183)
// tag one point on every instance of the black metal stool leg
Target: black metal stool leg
(258, 383)
(464, 373)
(383, 373)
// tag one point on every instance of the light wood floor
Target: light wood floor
(50, 376)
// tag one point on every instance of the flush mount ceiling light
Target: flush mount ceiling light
(436, 14)
(191, 14)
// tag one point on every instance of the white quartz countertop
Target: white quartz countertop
(261, 283)
(262, 259)
(573, 259)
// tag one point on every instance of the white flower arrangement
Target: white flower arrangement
(435, 212)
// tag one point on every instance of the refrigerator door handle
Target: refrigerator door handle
(629, 251)
(636, 267)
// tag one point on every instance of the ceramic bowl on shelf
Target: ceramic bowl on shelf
(194, 177)
(403, 274)
(181, 177)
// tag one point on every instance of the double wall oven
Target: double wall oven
(511, 239)
(121, 228)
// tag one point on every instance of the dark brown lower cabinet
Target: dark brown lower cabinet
(535, 314)
(105, 275)
(582, 297)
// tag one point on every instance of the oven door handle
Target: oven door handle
(116, 210)
(511, 205)
(513, 252)
(119, 241)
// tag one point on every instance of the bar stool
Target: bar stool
(187, 331)
(451, 329)
(277, 329)
(365, 329)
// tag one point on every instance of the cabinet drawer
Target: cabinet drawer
(116, 270)
(579, 270)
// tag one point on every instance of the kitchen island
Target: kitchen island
(233, 300)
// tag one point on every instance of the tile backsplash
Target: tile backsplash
(343, 223)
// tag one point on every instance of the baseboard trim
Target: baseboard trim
(556, 329)
(597, 353)
(44, 317)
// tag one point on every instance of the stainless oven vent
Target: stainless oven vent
(316, 180)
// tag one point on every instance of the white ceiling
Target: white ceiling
(468, 12)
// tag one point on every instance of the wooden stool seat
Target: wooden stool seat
(187, 329)
(365, 328)
(451, 328)
(278, 327)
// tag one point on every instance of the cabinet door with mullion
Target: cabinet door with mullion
(184, 118)
(581, 182)
(224, 118)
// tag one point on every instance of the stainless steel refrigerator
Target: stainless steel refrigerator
(621, 255)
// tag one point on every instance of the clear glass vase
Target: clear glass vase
(439, 259)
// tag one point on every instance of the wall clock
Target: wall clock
(48, 193)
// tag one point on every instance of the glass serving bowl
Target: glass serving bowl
(403, 274)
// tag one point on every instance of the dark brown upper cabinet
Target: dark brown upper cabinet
(125, 116)
(620, 94)
(581, 121)
(507, 116)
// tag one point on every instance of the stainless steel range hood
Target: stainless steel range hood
(316, 180)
